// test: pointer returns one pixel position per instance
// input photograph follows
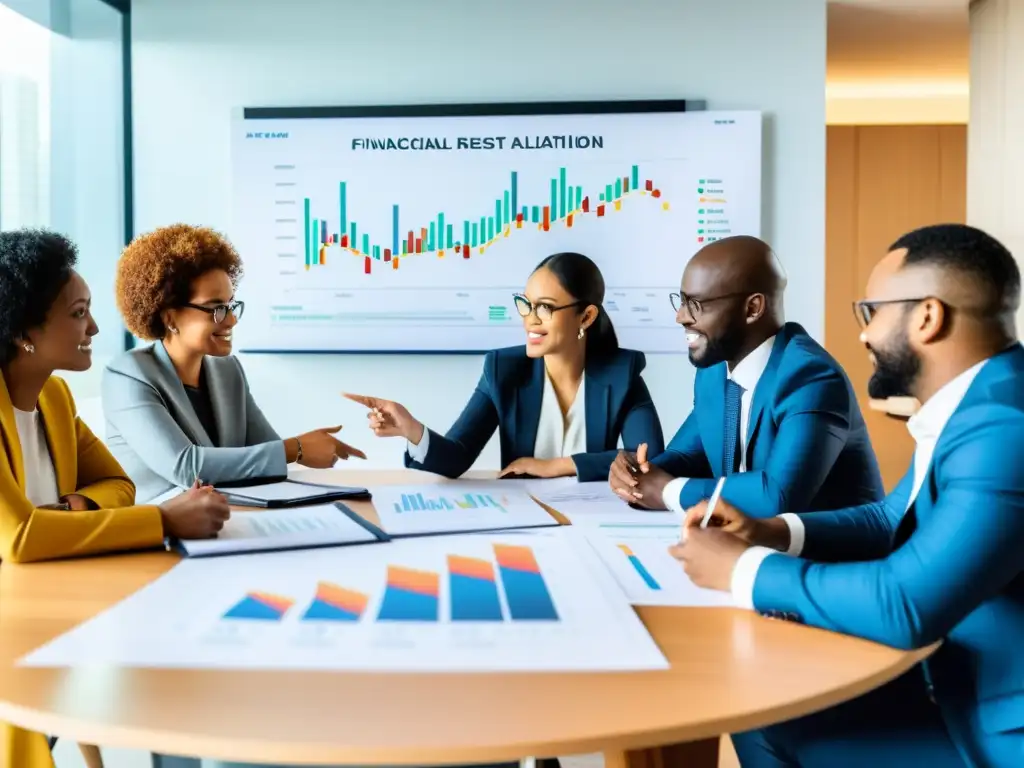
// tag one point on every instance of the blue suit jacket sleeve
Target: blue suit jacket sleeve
(814, 411)
(970, 546)
(452, 454)
(640, 425)
(857, 533)
(685, 456)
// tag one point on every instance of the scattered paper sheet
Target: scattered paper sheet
(290, 528)
(637, 555)
(439, 604)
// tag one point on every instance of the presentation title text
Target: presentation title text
(443, 143)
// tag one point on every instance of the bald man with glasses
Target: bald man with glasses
(773, 413)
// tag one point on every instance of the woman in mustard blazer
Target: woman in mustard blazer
(61, 492)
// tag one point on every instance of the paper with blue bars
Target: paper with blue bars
(456, 507)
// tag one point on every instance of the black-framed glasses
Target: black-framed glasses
(543, 310)
(220, 311)
(866, 310)
(696, 306)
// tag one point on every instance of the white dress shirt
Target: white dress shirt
(557, 436)
(746, 373)
(925, 427)
(40, 478)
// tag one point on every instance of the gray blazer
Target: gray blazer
(154, 432)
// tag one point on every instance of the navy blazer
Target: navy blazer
(951, 566)
(508, 399)
(807, 444)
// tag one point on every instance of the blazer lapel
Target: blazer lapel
(527, 415)
(10, 434)
(595, 402)
(712, 414)
(764, 389)
(219, 392)
(176, 392)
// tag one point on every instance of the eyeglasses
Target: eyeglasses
(220, 312)
(696, 306)
(865, 311)
(543, 310)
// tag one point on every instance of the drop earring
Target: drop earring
(582, 333)
(174, 330)
(30, 348)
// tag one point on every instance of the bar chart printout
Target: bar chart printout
(410, 595)
(473, 589)
(260, 606)
(468, 603)
(334, 603)
(525, 589)
(457, 507)
(417, 502)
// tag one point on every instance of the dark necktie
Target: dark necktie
(731, 443)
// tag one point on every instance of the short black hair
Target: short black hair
(35, 265)
(971, 253)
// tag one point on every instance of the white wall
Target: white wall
(194, 60)
(995, 154)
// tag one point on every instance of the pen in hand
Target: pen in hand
(711, 504)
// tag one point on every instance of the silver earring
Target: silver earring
(174, 330)
(581, 333)
(30, 348)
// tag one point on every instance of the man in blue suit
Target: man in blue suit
(940, 558)
(772, 410)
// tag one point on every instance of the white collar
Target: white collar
(928, 422)
(748, 370)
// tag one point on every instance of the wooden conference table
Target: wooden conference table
(731, 670)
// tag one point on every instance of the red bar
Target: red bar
(600, 210)
(344, 241)
(366, 265)
(568, 220)
(656, 193)
(412, 243)
(586, 205)
(465, 251)
(547, 218)
(649, 185)
(394, 263)
(387, 254)
(419, 245)
(625, 184)
(519, 218)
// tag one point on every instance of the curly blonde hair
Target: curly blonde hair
(156, 271)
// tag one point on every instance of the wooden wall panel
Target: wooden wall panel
(882, 181)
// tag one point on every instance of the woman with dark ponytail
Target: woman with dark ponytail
(560, 403)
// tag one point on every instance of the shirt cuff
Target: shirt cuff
(744, 574)
(796, 533)
(418, 453)
(670, 494)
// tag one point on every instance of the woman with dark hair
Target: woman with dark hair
(560, 403)
(61, 492)
(181, 408)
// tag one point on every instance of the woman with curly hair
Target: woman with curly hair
(61, 492)
(181, 409)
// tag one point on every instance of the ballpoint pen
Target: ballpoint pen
(711, 504)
